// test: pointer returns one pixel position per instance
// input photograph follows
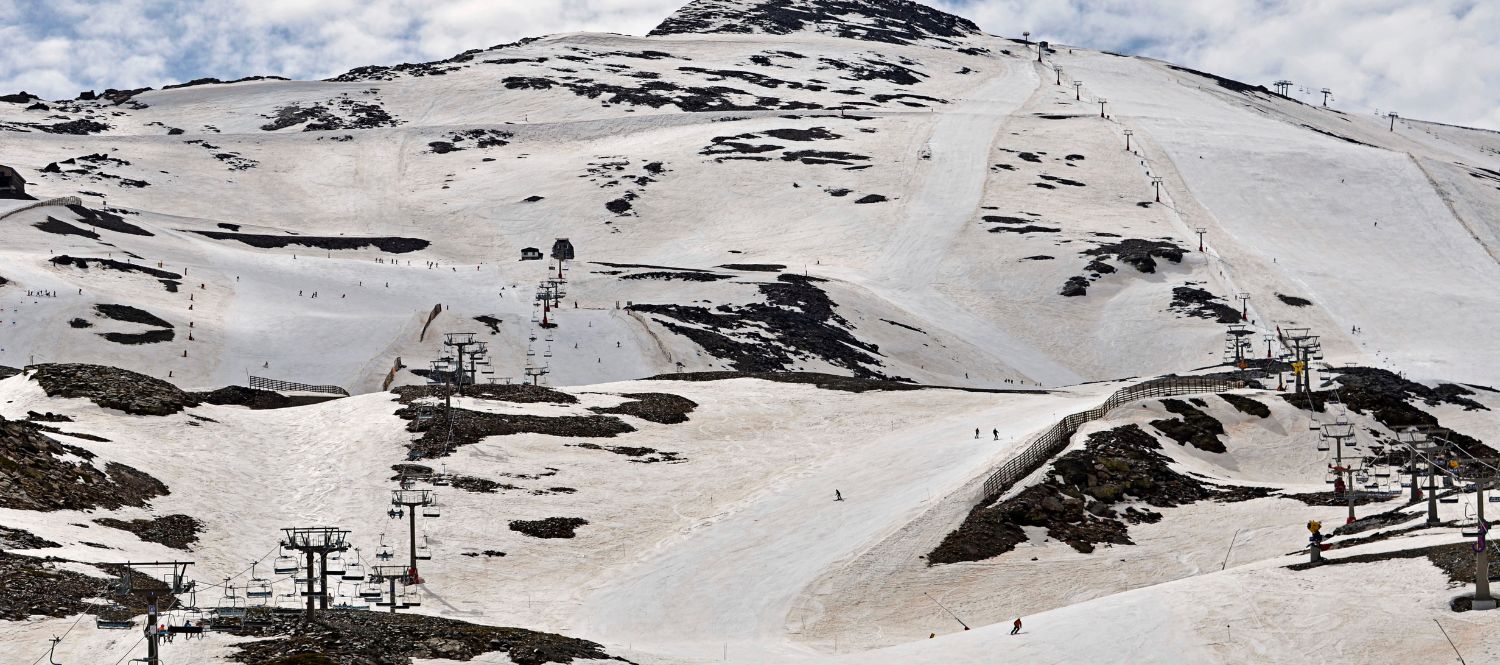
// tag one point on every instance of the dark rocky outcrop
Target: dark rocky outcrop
(16, 539)
(639, 454)
(1199, 303)
(654, 407)
(393, 245)
(1247, 405)
(174, 531)
(1077, 502)
(1196, 428)
(131, 314)
(551, 527)
(797, 320)
(30, 586)
(34, 475)
(256, 399)
(344, 637)
(889, 21)
(169, 280)
(518, 393)
(470, 427)
(112, 388)
(1138, 252)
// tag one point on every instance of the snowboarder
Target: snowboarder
(976, 432)
(996, 432)
(838, 496)
(1016, 627)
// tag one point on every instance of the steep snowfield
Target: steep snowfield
(818, 185)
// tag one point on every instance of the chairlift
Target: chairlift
(284, 565)
(258, 589)
(354, 571)
(1448, 499)
(371, 591)
(334, 567)
(114, 617)
(395, 513)
(411, 598)
(432, 509)
(231, 604)
(424, 551)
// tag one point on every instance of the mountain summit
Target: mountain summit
(890, 21)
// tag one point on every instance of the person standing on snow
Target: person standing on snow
(996, 433)
(1016, 627)
(976, 432)
(838, 496)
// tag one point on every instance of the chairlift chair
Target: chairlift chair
(114, 617)
(411, 598)
(1448, 499)
(432, 509)
(258, 589)
(354, 571)
(424, 551)
(370, 592)
(284, 565)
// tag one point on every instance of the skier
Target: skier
(1016, 627)
(976, 432)
(838, 496)
(996, 432)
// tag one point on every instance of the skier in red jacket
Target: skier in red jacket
(1016, 627)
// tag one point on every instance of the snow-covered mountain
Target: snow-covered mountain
(943, 182)
(875, 190)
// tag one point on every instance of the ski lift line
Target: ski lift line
(237, 575)
(131, 650)
(60, 637)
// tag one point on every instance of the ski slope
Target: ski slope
(748, 196)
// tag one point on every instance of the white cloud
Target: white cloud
(1434, 59)
(1430, 59)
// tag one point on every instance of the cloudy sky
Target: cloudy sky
(1430, 59)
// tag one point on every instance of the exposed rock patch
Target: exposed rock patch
(39, 473)
(1247, 405)
(654, 407)
(392, 245)
(1078, 502)
(174, 531)
(518, 393)
(551, 527)
(1196, 428)
(346, 637)
(470, 427)
(636, 453)
(797, 320)
(112, 388)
